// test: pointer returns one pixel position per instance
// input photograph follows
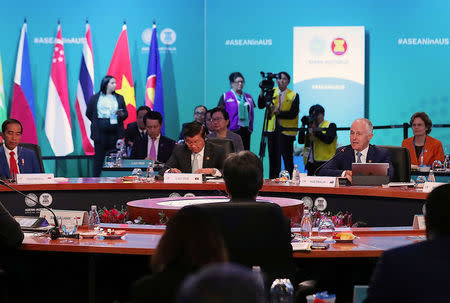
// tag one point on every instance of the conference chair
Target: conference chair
(37, 151)
(226, 144)
(401, 161)
(256, 233)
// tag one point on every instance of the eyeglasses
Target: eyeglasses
(199, 113)
(217, 119)
(239, 82)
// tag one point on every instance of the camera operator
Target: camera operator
(283, 113)
(319, 138)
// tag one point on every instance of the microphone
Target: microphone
(341, 150)
(54, 232)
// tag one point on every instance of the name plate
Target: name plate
(419, 222)
(61, 215)
(138, 163)
(183, 178)
(429, 186)
(315, 181)
(35, 178)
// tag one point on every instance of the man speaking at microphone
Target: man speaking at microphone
(359, 151)
(15, 159)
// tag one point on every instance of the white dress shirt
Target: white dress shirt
(7, 151)
(149, 145)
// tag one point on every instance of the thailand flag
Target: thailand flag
(58, 126)
(85, 90)
(154, 97)
(22, 107)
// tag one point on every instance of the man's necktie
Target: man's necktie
(358, 154)
(13, 164)
(195, 163)
(152, 154)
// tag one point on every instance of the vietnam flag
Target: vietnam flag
(22, 107)
(120, 68)
(58, 126)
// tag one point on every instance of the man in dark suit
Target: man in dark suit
(137, 130)
(255, 232)
(15, 159)
(418, 272)
(153, 145)
(195, 155)
(199, 116)
(359, 151)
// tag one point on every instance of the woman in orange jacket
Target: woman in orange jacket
(423, 148)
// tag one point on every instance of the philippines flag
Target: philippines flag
(57, 119)
(22, 107)
(154, 97)
(85, 90)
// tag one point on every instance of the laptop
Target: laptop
(370, 173)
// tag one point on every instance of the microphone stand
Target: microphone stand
(54, 232)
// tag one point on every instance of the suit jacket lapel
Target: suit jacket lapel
(370, 154)
(4, 163)
(206, 156)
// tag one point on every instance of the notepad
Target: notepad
(301, 246)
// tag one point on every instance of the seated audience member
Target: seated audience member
(359, 151)
(199, 116)
(255, 232)
(11, 236)
(195, 155)
(423, 148)
(222, 283)
(191, 240)
(208, 122)
(15, 159)
(221, 121)
(153, 145)
(418, 272)
(137, 130)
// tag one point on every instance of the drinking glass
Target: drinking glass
(284, 176)
(69, 225)
(326, 228)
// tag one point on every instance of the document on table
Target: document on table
(301, 246)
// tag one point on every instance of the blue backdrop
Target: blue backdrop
(407, 53)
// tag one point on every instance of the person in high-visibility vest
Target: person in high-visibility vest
(283, 114)
(319, 138)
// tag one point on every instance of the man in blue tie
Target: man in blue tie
(15, 159)
(359, 151)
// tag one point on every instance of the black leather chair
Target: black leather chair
(226, 144)
(256, 233)
(37, 151)
(401, 160)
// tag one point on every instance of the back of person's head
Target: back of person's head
(8, 122)
(437, 212)
(153, 115)
(243, 175)
(192, 239)
(192, 129)
(222, 283)
(315, 110)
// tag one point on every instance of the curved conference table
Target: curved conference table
(372, 205)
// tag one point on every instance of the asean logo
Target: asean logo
(339, 46)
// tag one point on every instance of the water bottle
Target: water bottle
(94, 219)
(431, 177)
(296, 175)
(150, 174)
(282, 291)
(306, 224)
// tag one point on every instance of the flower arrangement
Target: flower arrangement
(113, 215)
(339, 219)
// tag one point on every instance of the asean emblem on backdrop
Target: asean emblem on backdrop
(339, 46)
